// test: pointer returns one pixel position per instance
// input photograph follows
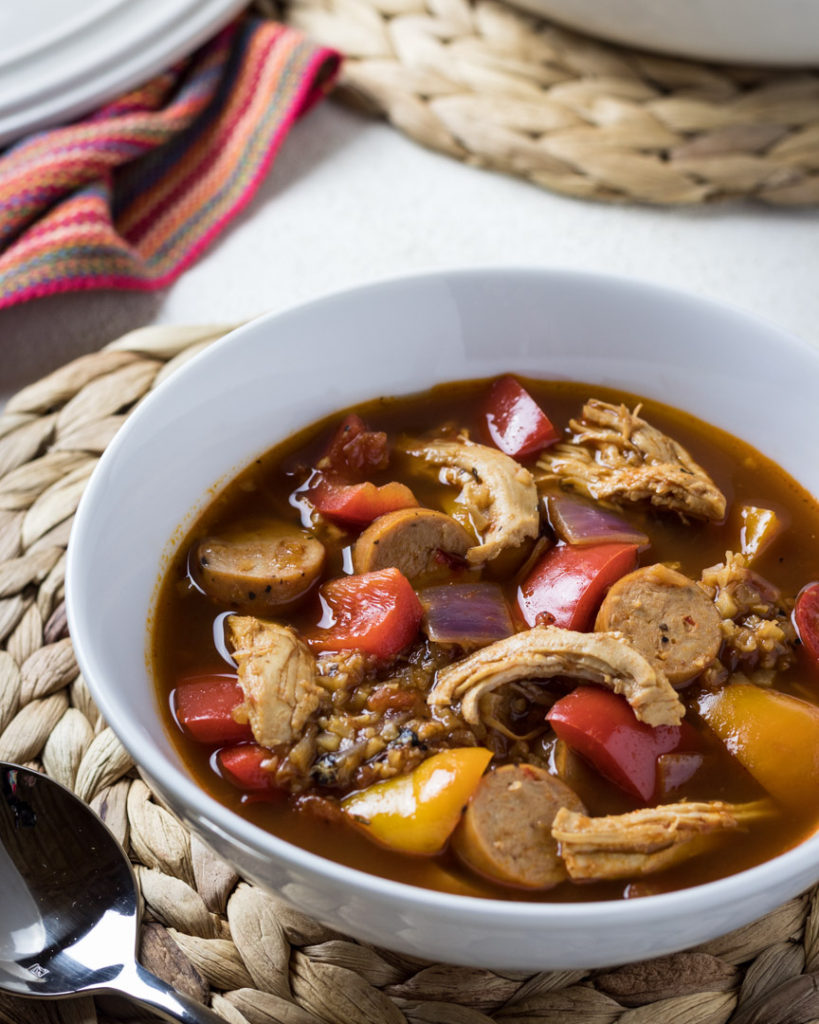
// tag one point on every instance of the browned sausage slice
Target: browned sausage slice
(259, 567)
(506, 832)
(669, 619)
(409, 540)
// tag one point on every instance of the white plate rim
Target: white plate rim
(74, 68)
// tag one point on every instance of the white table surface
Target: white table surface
(350, 200)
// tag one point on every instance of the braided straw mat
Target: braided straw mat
(204, 930)
(497, 88)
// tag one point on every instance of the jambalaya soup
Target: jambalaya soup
(507, 638)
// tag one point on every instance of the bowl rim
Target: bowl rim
(197, 801)
(688, 31)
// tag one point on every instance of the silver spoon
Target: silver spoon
(69, 905)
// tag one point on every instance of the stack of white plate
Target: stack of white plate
(60, 59)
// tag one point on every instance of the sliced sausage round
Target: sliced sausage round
(667, 616)
(261, 568)
(506, 831)
(408, 540)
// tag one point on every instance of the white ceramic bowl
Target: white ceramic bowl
(283, 372)
(782, 32)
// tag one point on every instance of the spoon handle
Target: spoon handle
(145, 988)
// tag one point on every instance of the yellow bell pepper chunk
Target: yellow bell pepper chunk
(416, 813)
(773, 735)
(760, 527)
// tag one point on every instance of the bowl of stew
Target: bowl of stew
(476, 613)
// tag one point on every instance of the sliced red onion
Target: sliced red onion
(469, 614)
(578, 522)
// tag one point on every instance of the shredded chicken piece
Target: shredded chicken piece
(547, 651)
(617, 456)
(499, 494)
(277, 674)
(757, 632)
(648, 840)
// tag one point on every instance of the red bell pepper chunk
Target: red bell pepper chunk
(375, 612)
(243, 766)
(567, 585)
(359, 504)
(516, 423)
(601, 726)
(354, 451)
(806, 617)
(204, 708)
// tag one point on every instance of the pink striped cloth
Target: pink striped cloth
(131, 195)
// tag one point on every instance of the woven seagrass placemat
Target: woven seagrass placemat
(207, 932)
(491, 86)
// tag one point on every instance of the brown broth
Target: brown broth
(183, 635)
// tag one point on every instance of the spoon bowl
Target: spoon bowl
(70, 902)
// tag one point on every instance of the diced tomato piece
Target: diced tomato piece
(806, 617)
(375, 612)
(602, 727)
(515, 421)
(359, 504)
(243, 766)
(567, 585)
(354, 450)
(204, 708)
(391, 698)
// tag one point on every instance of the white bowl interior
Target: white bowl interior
(281, 373)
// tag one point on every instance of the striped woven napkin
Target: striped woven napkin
(130, 196)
